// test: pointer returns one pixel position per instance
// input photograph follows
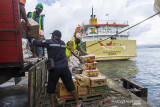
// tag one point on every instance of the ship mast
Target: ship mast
(93, 19)
(92, 12)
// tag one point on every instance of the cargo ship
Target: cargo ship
(102, 39)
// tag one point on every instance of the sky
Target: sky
(65, 15)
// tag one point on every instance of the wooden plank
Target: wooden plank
(35, 81)
(39, 86)
(65, 101)
(44, 74)
(30, 87)
(38, 83)
(93, 96)
(31, 59)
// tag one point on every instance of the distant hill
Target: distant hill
(149, 46)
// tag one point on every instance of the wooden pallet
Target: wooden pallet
(85, 98)
(65, 101)
(93, 96)
(94, 103)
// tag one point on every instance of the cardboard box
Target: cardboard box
(34, 27)
(77, 70)
(91, 72)
(82, 80)
(96, 90)
(40, 37)
(88, 58)
(62, 90)
(101, 80)
(82, 90)
(86, 66)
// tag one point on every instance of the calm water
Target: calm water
(144, 69)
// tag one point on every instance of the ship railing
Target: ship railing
(126, 33)
(107, 22)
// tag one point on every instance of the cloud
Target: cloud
(65, 15)
(48, 2)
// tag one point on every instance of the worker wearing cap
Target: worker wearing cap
(56, 49)
(72, 46)
(39, 19)
(23, 11)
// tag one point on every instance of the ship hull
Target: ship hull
(111, 49)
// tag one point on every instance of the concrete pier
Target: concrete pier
(117, 96)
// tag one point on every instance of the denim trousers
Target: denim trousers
(39, 51)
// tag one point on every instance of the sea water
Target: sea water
(144, 70)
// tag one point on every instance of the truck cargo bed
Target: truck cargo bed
(10, 38)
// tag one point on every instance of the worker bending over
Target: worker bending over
(72, 46)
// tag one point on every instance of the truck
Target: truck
(12, 62)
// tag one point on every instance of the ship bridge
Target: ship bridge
(94, 29)
(119, 23)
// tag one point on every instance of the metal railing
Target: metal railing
(118, 22)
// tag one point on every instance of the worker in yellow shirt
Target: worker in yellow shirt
(72, 46)
(36, 16)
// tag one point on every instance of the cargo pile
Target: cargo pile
(91, 85)
(90, 82)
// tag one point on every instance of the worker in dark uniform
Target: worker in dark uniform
(56, 49)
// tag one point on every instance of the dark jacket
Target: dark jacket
(56, 49)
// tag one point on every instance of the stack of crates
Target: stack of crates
(91, 81)
(89, 66)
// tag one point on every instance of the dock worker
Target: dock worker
(23, 12)
(39, 19)
(72, 46)
(56, 49)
